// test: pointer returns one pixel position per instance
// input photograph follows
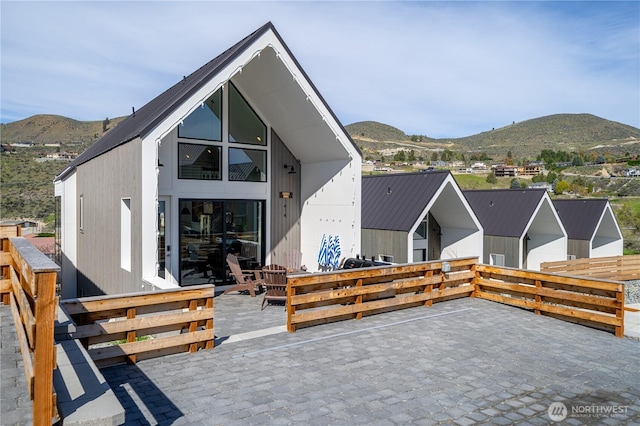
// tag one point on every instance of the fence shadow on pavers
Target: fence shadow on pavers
(143, 401)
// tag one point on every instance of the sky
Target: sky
(441, 69)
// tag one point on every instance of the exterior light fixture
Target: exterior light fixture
(291, 169)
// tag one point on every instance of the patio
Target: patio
(462, 361)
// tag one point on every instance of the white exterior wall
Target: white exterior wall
(69, 229)
(607, 240)
(548, 248)
(601, 247)
(333, 209)
(457, 242)
(547, 237)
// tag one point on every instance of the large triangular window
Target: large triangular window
(205, 122)
(244, 124)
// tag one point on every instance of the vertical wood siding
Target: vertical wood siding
(502, 245)
(376, 241)
(103, 182)
(285, 213)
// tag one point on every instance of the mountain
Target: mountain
(55, 128)
(26, 178)
(560, 132)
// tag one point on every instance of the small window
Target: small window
(81, 214)
(125, 234)
(244, 124)
(205, 122)
(248, 165)
(199, 161)
(496, 259)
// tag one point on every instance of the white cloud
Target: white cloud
(444, 69)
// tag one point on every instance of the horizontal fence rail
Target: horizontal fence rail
(588, 301)
(131, 327)
(352, 293)
(28, 284)
(619, 268)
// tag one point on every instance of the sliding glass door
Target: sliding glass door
(211, 229)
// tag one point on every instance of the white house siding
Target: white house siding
(545, 248)
(547, 237)
(607, 240)
(332, 208)
(66, 189)
(103, 183)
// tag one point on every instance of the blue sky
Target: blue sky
(442, 69)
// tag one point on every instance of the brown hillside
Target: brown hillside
(53, 128)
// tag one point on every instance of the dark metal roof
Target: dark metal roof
(580, 217)
(145, 119)
(396, 201)
(504, 212)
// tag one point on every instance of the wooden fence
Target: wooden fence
(333, 296)
(619, 268)
(596, 303)
(351, 293)
(28, 284)
(131, 327)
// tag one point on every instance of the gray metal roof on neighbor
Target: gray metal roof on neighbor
(504, 212)
(396, 201)
(145, 119)
(580, 217)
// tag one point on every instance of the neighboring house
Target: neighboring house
(242, 156)
(413, 217)
(531, 169)
(591, 226)
(505, 171)
(521, 227)
(26, 226)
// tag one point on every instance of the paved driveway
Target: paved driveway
(464, 361)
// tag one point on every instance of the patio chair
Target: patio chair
(275, 282)
(246, 280)
(293, 260)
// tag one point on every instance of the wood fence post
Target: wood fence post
(359, 299)
(193, 325)
(538, 297)
(131, 335)
(619, 329)
(290, 309)
(44, 353)
(209, 322)
(428, 288)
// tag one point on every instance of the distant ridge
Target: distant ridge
(525, 139)
(47, 128)
(558, 132)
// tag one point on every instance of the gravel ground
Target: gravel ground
(632, 292)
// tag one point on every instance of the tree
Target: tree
(577, 161)
(434, 156)
(552, 177)
(400, 156)
(538, 178)
(412, 155)
(491, 178)
(515, 184)
(509, 160)
(561, 187)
